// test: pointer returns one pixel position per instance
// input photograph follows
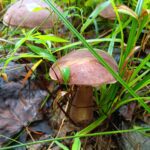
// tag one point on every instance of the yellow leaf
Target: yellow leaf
(31, 71)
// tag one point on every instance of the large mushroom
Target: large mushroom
(22, 14)
(86, 72)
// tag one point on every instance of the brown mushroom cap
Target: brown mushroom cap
(84, 68)
(21, 14)
(108, 13)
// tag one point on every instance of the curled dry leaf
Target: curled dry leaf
(126, 10)
(58, 98)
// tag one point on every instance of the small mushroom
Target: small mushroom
(21, 14)
(86, 72)
(108, 13)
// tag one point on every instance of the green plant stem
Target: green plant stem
(138, 129)
(92, 41)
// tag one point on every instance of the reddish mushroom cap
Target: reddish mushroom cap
(85, 69)
(21, 14)
(108, 13)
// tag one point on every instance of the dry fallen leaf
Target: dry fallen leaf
(19, 104)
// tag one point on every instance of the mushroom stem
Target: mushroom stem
(81, 111)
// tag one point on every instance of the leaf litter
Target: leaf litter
(19, 103)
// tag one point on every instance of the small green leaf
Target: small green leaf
(33, 6)
(37, 9)
(19, 43)
(51, 38)
(42, 52)
(66, 74)
(63, 147)
(76, 144)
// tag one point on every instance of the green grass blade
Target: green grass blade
(139, 7)
(76, 144)
(24, 55)
(138, 68)
(92, 125)
(126, 101)
(111, 45)
(135, 129)
(94, 14)
(120, 23)
(132, 38)
(92, 41)
(62, 146)
(138, 78)
(143, 83)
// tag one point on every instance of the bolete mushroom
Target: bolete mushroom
(86, 72)
(108, 13)
(22, 14)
